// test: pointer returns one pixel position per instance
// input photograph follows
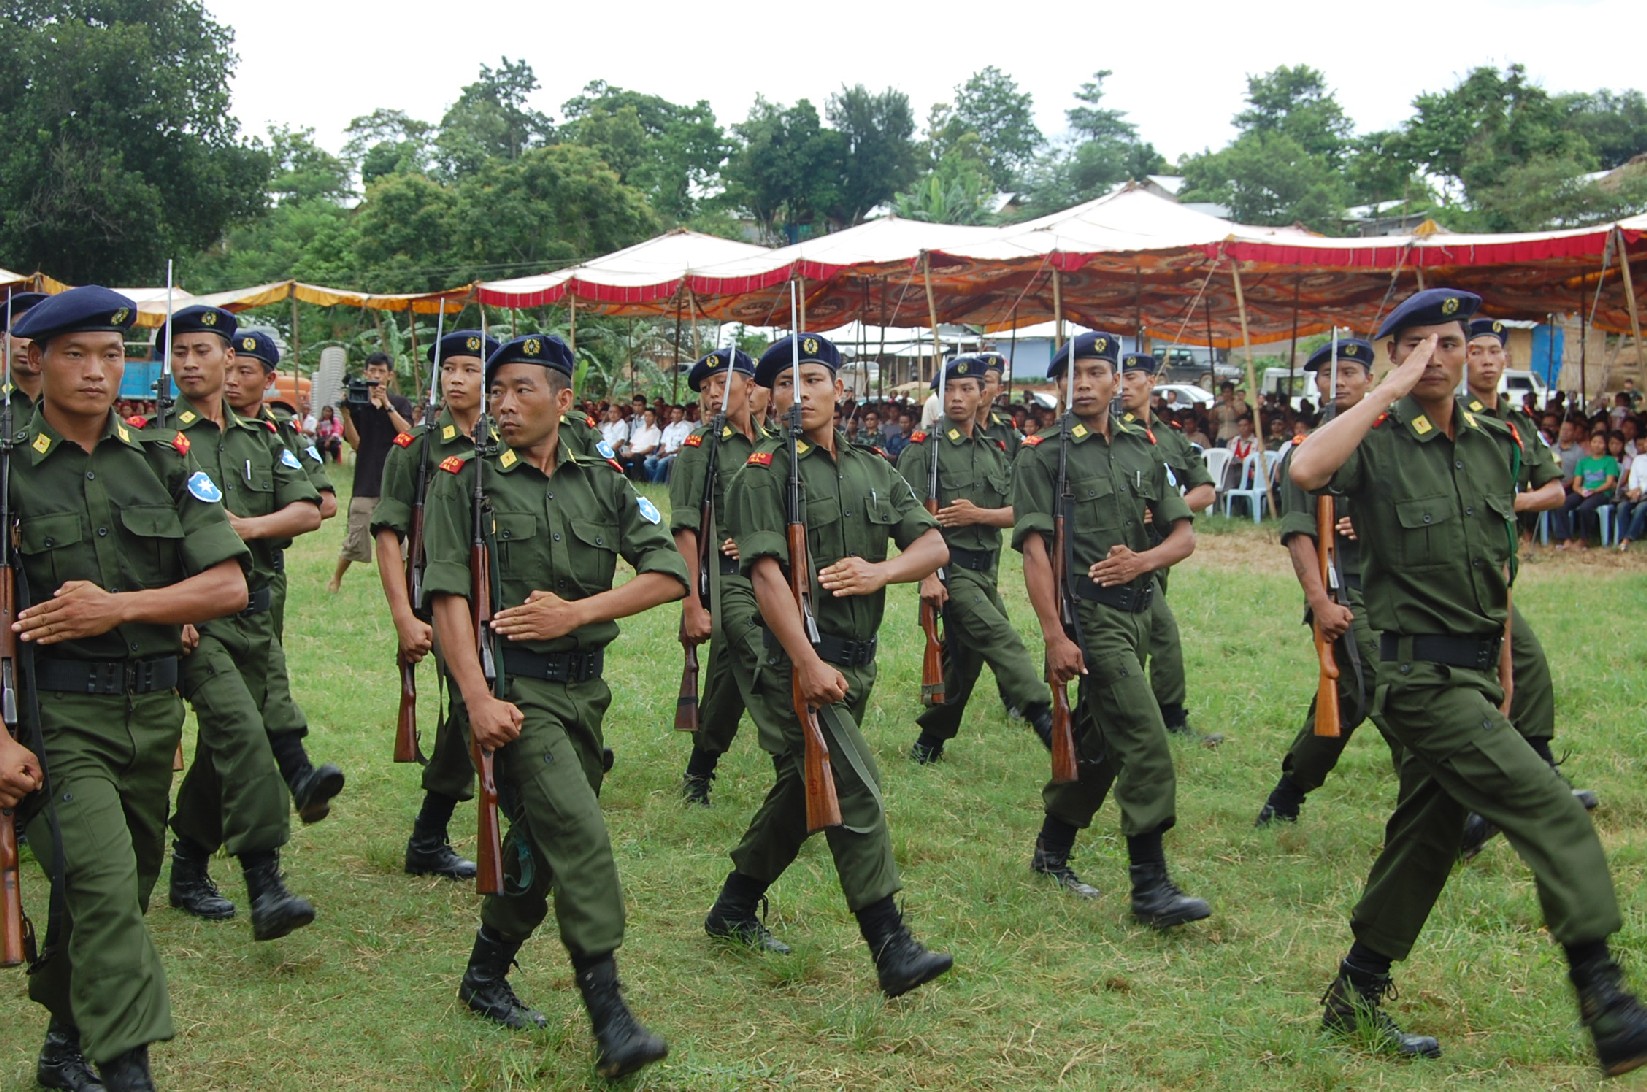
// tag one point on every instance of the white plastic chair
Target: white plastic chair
(1217, 460)
(1250, 486)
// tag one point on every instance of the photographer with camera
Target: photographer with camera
(373, 415)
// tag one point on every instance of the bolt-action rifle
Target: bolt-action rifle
(406, 745)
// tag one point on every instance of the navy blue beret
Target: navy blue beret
(463, 343)
(717, 362)
(1096, 345)
(966, 366)
(813, 350)
(259, 346)
(545, 349)
(91, 308)
(1139, 362)
(1360, 350)
(19, 303)
(200, 319)
(1489, 327)
(1431, 307)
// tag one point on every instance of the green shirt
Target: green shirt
(400, 470)
(1113, 482)
(255, 472)
(972, 467)
(301, 446)
(691, 466)
(1436, 520)
(1538, 463)
(562, 533)
(854, 504)
(1298, 511)
(999, 427)
(133, 513)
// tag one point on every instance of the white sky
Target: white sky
(1180, 67)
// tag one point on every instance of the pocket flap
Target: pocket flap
(153, 521)
(48, 532)
(1421, 512)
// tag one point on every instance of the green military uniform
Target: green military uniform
(999, 428)
(732, 600)
(855, 502)
(450, 771)
(976, 628)
(563, 533)
(133, 513)
(1435, 517)
(233, 795)
(1121, 736)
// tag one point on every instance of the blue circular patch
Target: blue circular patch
(314, 453)
(605, 450)
(648, 510)
(201, 487)
(288, 459)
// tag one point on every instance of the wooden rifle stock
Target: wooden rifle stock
(686, 702)
(489, 839)
(1506, 661)
(1063, 731)
(823, 807)
(406, 744)
(12, 949)
(406, 749)
(932, 657)
(1326, 689)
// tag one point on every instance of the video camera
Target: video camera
(359, 391)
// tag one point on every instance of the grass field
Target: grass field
(1046, 992)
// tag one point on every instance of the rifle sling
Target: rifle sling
(57, 907)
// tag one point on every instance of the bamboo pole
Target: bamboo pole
(291, 294)
(1257, 415)
(800, 295)
(692, 310)
(675, 392)
(571, 321)
(417, 366)
(1629, 293)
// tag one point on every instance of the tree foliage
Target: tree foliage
(989, 106)
(491, 120)
(671, 153)
(786, 169)
(881, 157)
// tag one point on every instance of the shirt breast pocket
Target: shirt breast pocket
(595, 561)
(823, 529)
(257, 479)
(1430, 533)
(50, 545)
(515, 534)
(1094, 502)
(881, 517)
(154, 537)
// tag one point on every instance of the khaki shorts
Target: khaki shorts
(357, 544)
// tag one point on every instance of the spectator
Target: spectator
(674, 435)
(1631, 515)
(645, 437)
(1631, 430)
(904, 429)
(1620, 410)
(614, 430)
(872, 429)
(1568, 451)
(1229, 409)
(1592, 487)
(371, 430)
(328, 433)
(1279, 433)
(1615, 448)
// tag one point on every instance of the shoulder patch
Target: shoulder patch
(917, 437)
(1001, 444)
(1381, 419)
(202, 488)
(648, 510)
(1033, 440)
(760, 458)
(1150, 434)
(404, 439)
(1515, 434)
(181, 443)
(314, 453)
(452, 464)
(694, 440)
(604, 450)
(287, 459)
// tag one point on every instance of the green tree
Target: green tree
(119, 147)
(1613, 124)
(303, 170)
(957, 190)
(388, 142)
(405, 231)
(881, 156)
(1269, 178)
(1296, 101)
(787, 169)
(671, 153)
(990, 104)
(1105, 151)
(491, 120)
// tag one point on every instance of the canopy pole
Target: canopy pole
(692, 308)
(1138, 307)
(880, 355)
(634, 388)
(571, 321)
(1629, 292)
(1252, 381)
(1418, 271)
(417, 372)
(675, 392)
(1292, 353)
(1012, 354)
(800, 294)
(291, 294)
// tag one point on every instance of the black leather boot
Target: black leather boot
(1282, 805)
(1157, 901)
(1055, 864)
(485, 987)
(699, 776)
(733, 916)
(61, 1064)
(313, 789)
(623, 1043)
(1177, 722)
(925, 750)
(192, 890)
(429, 852)
(901, 962)
(275, 910)
(1614, 1017)
(129, 1072)
(1354, 1007)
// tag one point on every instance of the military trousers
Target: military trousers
(730, 673)
(862, 845)
(110, 761)
(233, 795)
(1120, 737)
(1460, 754)
(1166, 652)
(450, 769)
(978, 632)
(549, 782)
(1311, 757)
(281, 713)
(1532, 702)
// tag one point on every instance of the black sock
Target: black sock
(1286, 796)
(1585, 955)
(1146, 849)
(1057, 836)
(436, 813)
(701, 763)
(1363, 962)
(1542, 748)
(742, 890)
(1174, 715)
(290, 756)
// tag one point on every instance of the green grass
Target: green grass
(1047, 991)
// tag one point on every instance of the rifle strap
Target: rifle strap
(57, 908)
(843, 748)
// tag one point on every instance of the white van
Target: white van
(1515, 383)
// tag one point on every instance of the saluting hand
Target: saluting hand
(19, 773)
(821, 683)
(1122, 566)
(959, 513)
(852, 576)
(543, 617)
(78, 609)
(1400, 381)
(495, 723)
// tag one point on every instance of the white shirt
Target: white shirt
(644, 438)
(675, 434)
(614, 432)
(1638, 474)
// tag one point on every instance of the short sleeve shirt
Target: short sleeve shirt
(973, 468)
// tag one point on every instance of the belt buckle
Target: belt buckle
(104, 678)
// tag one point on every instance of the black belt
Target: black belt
(1352, 581)
(834, 650)
(1121, 597)
(257, 602)
(1478, 653)
(979, 561)
(729, 566)
(279, 564)
(106, 676)
(556, 667)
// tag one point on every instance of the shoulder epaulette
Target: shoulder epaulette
(1001, 444)
(1515, 434)
(1150, 435)
(760, 458)
(452, 463)
(137, 420)
(272, 426)
(917, 437)
(1381, 419)
(404, 439)
(1031, 441)
(694, 440)
(181, 443)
